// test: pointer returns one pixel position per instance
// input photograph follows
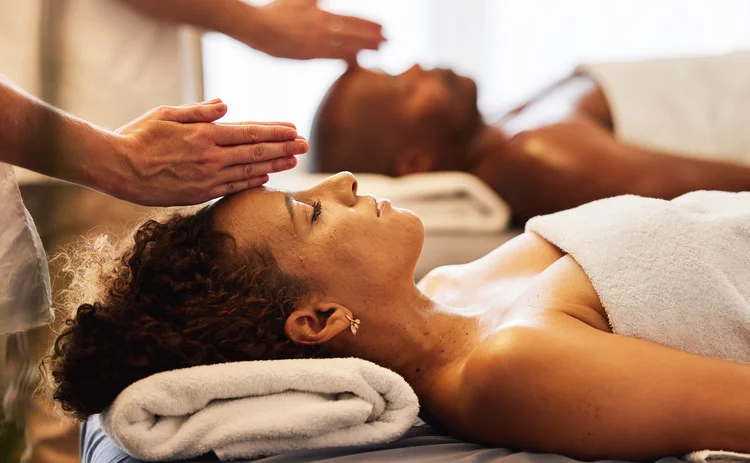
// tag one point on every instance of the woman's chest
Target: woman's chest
(519, 283)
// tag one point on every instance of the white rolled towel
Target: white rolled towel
(717, 456)
(260, 408)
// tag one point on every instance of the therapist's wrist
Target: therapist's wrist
(102, 163)
(243, 22)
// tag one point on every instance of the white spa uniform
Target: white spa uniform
(24, 275)
(25, 296)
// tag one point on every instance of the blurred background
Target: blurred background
(103, 61)
(511, 48)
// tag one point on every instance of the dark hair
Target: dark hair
(180, 295)
(355, 142)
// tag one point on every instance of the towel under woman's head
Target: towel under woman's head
(252, 409)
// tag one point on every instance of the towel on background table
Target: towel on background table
(715, 456)
(692, 105)
(259, 408)
(444, 201)
(672, 272)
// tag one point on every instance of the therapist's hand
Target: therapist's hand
(177, 155)
(298, 29)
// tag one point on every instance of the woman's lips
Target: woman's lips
(380, 205)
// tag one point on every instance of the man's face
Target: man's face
(432, 111)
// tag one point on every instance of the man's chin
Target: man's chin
(472, 90)
(466, 90)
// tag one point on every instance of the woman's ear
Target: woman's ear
(317, 323)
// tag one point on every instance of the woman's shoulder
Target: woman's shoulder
(495, 379)
(559, 317)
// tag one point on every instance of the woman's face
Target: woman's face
(348, 246)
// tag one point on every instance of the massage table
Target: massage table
(421, 444)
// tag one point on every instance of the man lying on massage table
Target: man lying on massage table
(655, 128)
(617, 330)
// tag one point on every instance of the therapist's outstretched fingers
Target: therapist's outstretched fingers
(200, 112)
(235, 187)
(261, 152)
(248, 134)
(242, 172)
(211, 101)
(367, 35)
(280, 124)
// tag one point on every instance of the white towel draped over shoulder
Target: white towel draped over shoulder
(673, 272)
(253, 409)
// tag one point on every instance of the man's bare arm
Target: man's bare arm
(562, 153)
(284, 28)
(668, 175)
(567, 164)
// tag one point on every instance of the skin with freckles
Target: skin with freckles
(512, 350)
(305, 228)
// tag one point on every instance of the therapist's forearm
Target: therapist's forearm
(38, 137)
(234, 18)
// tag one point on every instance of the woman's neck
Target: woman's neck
(416, 337)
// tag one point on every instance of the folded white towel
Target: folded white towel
(672, 272)
(695, 106)
(716, 456)
(253, 409)
(445, 201)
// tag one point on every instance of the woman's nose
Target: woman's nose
(345, 187)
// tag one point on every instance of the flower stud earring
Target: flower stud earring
(354, 324)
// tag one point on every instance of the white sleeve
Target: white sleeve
(691, 106)
(25, 295)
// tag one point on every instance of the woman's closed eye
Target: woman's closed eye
(317, 209)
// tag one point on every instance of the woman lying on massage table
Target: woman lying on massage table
(515, 349)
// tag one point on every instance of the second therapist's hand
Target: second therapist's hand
(175, 156)
(298, 29)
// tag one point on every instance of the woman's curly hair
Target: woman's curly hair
(180, 295)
